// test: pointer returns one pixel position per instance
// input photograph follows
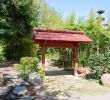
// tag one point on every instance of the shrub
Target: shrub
(28, 65)
(2, 59)
(100, 64)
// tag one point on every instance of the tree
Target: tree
(49, 17)
(100, 12)
(70, 21)
(17, 36)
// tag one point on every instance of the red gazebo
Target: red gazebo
(48, 38)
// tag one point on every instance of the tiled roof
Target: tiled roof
(42, 34)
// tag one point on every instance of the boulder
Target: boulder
(37, 89)
(20, 90)
(34, 78)
(13, 97)
(10, 74)
(1, 82)
(4, 90)
(19, 81)
(105, 79)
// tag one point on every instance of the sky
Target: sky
(81, 7)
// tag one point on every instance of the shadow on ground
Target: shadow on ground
(56, 73)
(7, 64)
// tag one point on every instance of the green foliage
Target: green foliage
(100, 64)
(70, 22)
(49, 17)
(100, 12)
(15, 50)
(93, 54)
(17, 16)
(28, 65)
(17, 19)
(71, 19)
(2, 59)
(66, 57)
(29, 61)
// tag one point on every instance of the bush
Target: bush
(100, 64)
(2, 59)
(28, 65)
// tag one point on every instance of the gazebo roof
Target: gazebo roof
(43, 34)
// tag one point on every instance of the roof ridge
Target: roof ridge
(57, 31)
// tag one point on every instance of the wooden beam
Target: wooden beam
(57, 44)
(76, 60)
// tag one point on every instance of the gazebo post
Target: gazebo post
(76, 60)
(43, 57)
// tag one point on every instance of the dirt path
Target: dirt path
(60, 85)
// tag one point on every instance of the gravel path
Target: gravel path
(60, 85)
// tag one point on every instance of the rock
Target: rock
(19, 81)
(34, 78)
(10, 83)
(1, 82)
(13, 97)
(105, 79)
(20, 90)
(10, 74)
(1, 78)
(4, 90)
(37, 89)
(26, 98)
(1, 75)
